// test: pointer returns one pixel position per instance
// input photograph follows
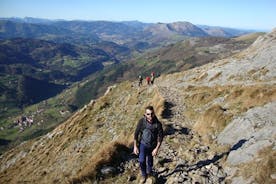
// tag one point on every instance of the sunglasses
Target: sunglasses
(149, 114)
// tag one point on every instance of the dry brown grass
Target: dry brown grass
(111, 153)
(212, 121)
(108, 154)
(196, 97)
(120, 109)
(262, 168)
(158, 103)
(244, 98)
(241, 97)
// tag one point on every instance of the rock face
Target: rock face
(219, 123)
(257, 123)
(249, 134)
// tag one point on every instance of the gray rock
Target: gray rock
(250, 133)
(247, 153)
(259, 122)
(108, 171)
(273, 176)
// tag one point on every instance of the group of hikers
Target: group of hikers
(149, 79)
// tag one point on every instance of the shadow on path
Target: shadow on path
(187, 168)
(170, 130)
(167, 113)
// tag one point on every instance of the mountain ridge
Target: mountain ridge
(130, 30)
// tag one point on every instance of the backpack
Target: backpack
(148, 136)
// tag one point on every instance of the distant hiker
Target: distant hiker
(148, 80)
(140, 80)
(148, 137)
(152, 77)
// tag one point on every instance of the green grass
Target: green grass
(71, 63)
(9, 134)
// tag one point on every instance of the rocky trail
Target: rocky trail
(183, 157)
(189, 160)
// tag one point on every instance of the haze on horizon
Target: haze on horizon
(245, 14)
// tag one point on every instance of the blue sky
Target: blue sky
(247, 14)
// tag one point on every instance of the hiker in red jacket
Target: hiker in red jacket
(148, 80)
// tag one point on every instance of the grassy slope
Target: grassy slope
(99, 122)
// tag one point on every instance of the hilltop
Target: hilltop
(219, 121)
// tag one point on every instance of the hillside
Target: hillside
(57, 64)
(219, 122)
(175, 57)
(62, 52)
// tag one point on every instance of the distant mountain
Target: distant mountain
(15, 29)
(224, 31)
(133, 34)
(163, 32)
(182, 28)
(10, 29)
(30, 20)
(137, 24)
(109, 31)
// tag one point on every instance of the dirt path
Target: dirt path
(183, 158)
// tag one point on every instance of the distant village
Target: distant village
(25, 121)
